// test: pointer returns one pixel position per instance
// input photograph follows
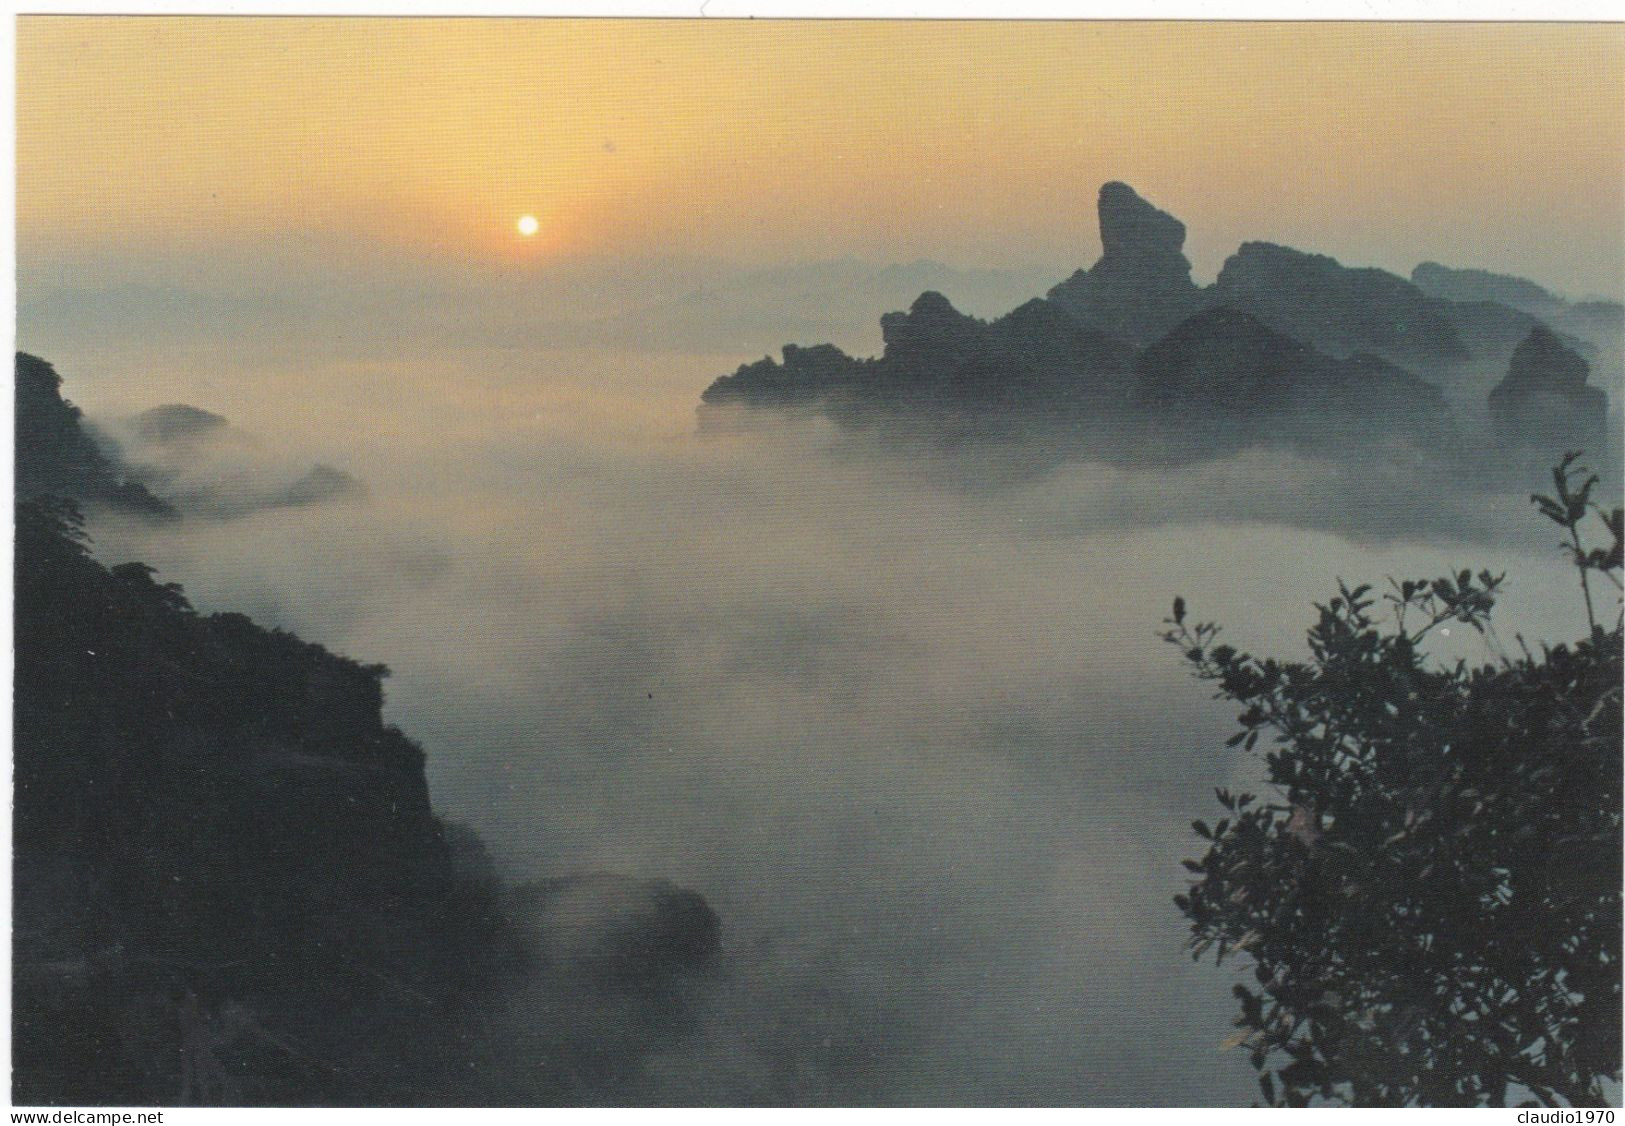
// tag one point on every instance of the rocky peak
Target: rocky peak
(1543, 361)
(1545, 399)
(1141, 286)
(931, 329)
(1130, 227)
(1223, 359)
(932, 305)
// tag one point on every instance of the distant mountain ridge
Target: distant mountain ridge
(1468, 285)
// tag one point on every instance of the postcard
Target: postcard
(817, 563)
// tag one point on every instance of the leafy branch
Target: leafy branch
(1430, 897)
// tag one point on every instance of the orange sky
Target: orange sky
(1493, 145)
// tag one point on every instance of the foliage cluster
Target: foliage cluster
(1428, 893)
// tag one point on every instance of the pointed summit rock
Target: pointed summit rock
(1545, 398)
(1141, 286)
(1130, 227)
(1544, 361)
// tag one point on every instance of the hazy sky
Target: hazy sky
(977, 143)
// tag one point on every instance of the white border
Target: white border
(1603, 11)
(1609, 11)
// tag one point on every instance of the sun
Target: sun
(528, 225)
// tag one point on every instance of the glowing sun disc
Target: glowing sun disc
(528, 225)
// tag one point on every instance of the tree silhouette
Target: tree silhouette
(1429, 891)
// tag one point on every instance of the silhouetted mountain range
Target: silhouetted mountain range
(1285, 346)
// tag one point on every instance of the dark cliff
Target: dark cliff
(229, 883)
(215, 827)
(56, 454)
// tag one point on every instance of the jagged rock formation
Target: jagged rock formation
(1226, 367)
(932, 339)
(1036, 359)
(56, 455)
(807, 378)
(1284, 346)
(1221, 375)
(1141, 286)
(1545, 399)
(1337, 309)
